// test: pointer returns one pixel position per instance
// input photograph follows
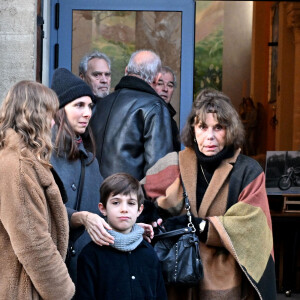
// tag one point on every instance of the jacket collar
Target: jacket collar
(82, 150)
(171, 109)
(218, 180)
(135, 83)
(188, 169)
(138, 84)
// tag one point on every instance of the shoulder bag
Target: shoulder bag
(178, 252)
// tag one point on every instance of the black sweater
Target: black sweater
(107, 273)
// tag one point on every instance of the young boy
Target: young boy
(129, 268)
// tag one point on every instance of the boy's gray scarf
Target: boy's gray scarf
(127, 242)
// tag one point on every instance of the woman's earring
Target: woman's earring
(195, 140)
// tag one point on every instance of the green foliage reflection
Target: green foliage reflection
(208, 62)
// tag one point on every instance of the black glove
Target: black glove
(149, 213)
(176, 222)
(202, 235)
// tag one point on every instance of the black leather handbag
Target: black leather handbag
(178, 252)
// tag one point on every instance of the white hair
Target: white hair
(144, 63)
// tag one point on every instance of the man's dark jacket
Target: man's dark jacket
(132, 129)
(175, 131)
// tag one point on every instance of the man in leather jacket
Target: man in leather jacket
(132, 126)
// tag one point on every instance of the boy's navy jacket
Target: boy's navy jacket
(104, 272)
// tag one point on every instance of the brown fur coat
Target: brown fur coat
(33, 228)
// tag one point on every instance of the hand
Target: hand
(148, 231)
(156, 225)
(95, 226)
(158, 222)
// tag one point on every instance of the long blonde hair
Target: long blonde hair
(28, 109)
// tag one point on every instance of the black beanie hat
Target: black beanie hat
(69, 87)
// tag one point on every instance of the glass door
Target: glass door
(118, 28)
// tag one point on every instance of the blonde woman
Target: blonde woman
(33, 220)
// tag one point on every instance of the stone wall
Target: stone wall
(17, 42)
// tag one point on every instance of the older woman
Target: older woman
(228, 200)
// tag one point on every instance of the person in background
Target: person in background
(132, 126)
(95, 70)
(228, 201)
(165, 87)
(74, 162)
(129, 268)
(33, 220)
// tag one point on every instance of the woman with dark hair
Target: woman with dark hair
(33, 219)
(228, 200)
(75, 164)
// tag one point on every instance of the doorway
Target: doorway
(118, 28)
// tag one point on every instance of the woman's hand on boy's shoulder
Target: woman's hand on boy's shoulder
(148, 231)
(97, 228)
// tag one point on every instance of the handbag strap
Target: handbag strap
(173, 233)
(187, 207)
(81, 182)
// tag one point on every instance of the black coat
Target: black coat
(109, 274)
(69, 173)
(132, 128)
(175, 131)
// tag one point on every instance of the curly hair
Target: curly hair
(28, 109)
(213, 101)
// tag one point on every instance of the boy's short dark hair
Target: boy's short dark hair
(121, 183)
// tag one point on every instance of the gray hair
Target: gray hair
(83, 65)
(146, 67)
(166, 69)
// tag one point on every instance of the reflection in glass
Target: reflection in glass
(119, 33)
(208, 45)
